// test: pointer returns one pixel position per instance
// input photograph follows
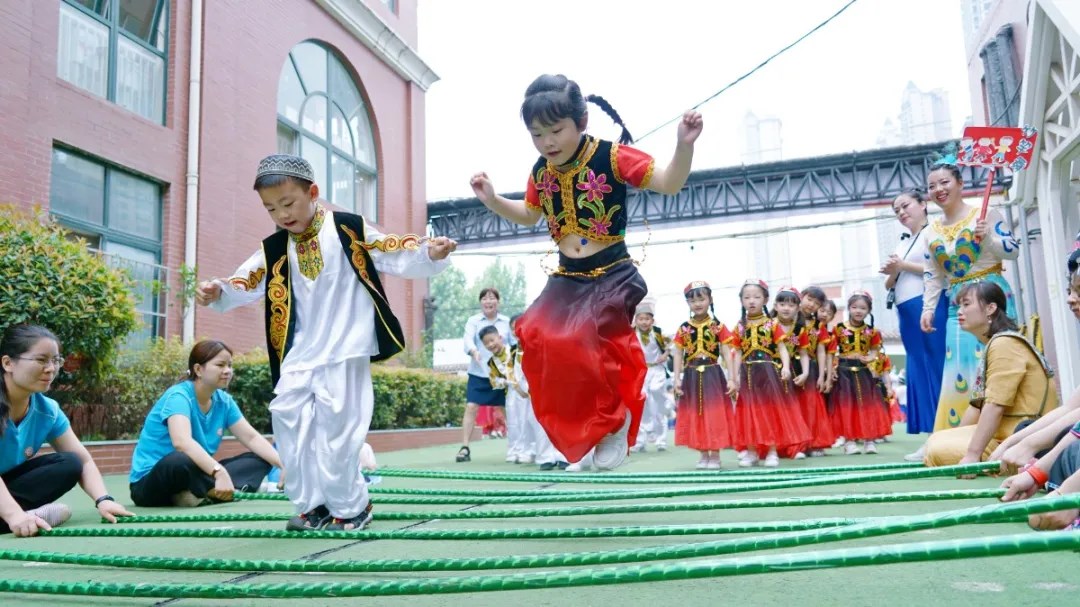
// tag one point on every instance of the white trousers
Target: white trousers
(321, 418)
(546, 453)
(521, 425)
(653, 427)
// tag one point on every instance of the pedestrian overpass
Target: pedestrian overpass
(791, 187)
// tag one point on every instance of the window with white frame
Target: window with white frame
(119, 214)
(323, 118)
(117, 49)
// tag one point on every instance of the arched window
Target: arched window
(323, 118)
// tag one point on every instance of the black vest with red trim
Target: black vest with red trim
(280, 320)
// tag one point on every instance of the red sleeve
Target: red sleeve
(886, 363)
(778, 334)
(724, 335)
(823, 337)
(532, 196)
(803, 340)
(736, 337)
(833, 343)
(875, 339)
(680, 338)
(631, 165)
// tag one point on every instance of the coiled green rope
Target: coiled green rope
(871, 528)
(823, 500)
(1006, 545)
(649, 477)
(459, 534)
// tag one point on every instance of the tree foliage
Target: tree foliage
(457, 300)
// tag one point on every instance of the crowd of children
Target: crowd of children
(787, 381)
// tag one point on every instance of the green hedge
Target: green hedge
(404, 398)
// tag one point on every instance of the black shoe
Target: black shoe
(562, 465)
(464, 454)
(547, 466)
(356, 523)
(309, 521)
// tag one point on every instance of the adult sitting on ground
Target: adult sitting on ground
(1059, 472)
(173, 463)
(1014, 382)
(1032, 441)
(29, 485)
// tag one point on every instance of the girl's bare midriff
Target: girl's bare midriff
(571, 246)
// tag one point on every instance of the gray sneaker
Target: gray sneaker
(55, 514)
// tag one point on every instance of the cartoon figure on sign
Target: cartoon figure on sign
(967, 144)
(1004, 146)
(983, 150)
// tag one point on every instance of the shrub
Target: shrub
(138, 381)
(404, 398)
(52, 280)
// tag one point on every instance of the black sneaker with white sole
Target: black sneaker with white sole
(309, 521)
(356, 523)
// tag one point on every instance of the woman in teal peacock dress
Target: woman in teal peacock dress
(961, 249)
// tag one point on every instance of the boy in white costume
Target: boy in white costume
(655, 346)
(327, 319)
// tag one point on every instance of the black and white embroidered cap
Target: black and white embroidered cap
(287, 165)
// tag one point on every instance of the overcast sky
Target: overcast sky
(652, 60)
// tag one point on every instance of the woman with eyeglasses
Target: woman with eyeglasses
(903, 272)
(29, 485)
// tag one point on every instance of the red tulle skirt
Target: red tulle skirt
(856, 407)
(812, 406)
(704, 417)
(585, 365)
(767, 412)
(491, 419)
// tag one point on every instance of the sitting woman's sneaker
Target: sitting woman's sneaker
(55, 514)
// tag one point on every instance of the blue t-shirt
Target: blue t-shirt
(206, 428)
(44, 422)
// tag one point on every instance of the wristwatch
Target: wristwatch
(217, 468)
(104, 498)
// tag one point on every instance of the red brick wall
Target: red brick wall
(115, 457)
(238, 128)
(243, 52)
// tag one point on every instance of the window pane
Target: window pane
(140, 80)
(365, 142)
(134, 205)
(290, 93)
(78, 188)
(315, 153)
(314, 118)
(101, 7)
(341, 189)
(311, 61)
(137, 18)
(287, 140)
(342, 87)
(148, 276)
(340, 134)
(83, 52)
(366, 200)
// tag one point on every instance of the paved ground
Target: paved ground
(1023, 580)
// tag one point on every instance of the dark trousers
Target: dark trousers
(41, 480)
(176, 473)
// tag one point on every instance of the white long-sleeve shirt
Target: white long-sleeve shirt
(334, 313)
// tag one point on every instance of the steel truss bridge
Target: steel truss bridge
(794, 187)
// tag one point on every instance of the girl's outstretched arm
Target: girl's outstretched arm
(514, 210)
(671, 179)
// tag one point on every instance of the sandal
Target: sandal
(464, 454)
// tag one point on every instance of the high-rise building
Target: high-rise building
(762, 139)
(924, 116)
(974, 14)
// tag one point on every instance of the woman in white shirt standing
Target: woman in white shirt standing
(925, 351)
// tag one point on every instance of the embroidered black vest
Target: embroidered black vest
(280, 320)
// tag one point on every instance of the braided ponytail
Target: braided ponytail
(602, 103)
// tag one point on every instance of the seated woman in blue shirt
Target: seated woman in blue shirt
(173, 463)
(30, 486)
